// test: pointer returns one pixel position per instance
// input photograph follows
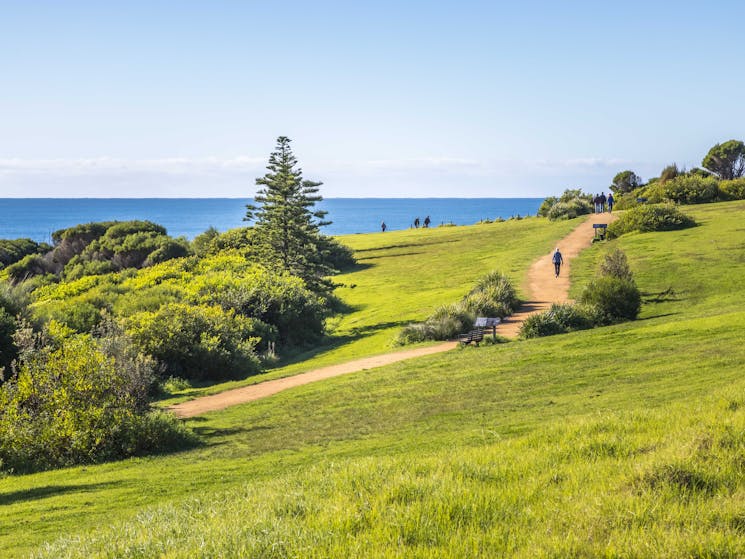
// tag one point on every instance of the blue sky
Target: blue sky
(186, 98)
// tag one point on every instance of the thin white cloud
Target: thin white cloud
(235, 176)
(106, 165)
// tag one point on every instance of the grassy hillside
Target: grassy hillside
(624, 441)
(402, 276)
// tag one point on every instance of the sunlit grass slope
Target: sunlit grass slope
(625, 441)
(402, 276)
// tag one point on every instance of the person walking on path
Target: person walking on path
(426, 221)
(610, 202)
(558, 260)
(596, 201)
(383, 226)
(603, 200)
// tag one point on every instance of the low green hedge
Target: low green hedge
(652, 217)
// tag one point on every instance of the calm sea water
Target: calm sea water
(37, 218)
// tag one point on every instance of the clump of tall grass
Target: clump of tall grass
(559, 319)
(493, 296)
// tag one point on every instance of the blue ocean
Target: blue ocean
(38, 218)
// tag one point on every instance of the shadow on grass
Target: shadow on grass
(407, 245)
(356, 267)
(206, 432)
(391, 255)
(49, 491)
(330, 343)
(668, 294)
(656, 316)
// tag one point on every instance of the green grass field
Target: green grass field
(401, 277)
(624, 441)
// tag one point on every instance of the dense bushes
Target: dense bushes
(733, 189)
(569, 205)
(492, 296)
(559, 319)
(95, 248)
(653, 217)
(610, 298)
(72, 402)
(8, 350)
(198, 342)
(685, 189)
(11, 251)
(614, 299)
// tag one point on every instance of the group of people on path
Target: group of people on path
(417, 223)
(600, 202)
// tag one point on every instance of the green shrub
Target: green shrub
(733, 189)
(72, 403)
(493, 296)
(541, 324)
(81, 316)
(652, 217)
(240, 239)
(28, 267)
(202, 243)
(614, 299)
(572, 203)
(559, 319)
(8, 351)
(615, 264)
(690, 189)
(444, 324)
(13, 298)
(11, 251)
(197, 342)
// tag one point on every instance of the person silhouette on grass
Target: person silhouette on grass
(558, 260)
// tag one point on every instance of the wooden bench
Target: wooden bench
(474, 336)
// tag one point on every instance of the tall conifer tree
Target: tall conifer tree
(286, 224)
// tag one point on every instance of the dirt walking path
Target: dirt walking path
(543, 289)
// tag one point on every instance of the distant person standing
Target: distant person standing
(427, 221)
(603, 200)
(596, 201)
(416, 223)
(558, 260)
(610, 202)
(383, 226)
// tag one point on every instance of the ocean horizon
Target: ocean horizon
(38, 218)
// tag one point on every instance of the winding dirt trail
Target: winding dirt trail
(543, 289)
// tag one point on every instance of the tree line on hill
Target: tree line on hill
(93, 326)
(720, 178)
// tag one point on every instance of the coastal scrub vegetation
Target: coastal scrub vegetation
(74, 399)
(208, 310)
(652, 217)
(720, 178)
(572, 203)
